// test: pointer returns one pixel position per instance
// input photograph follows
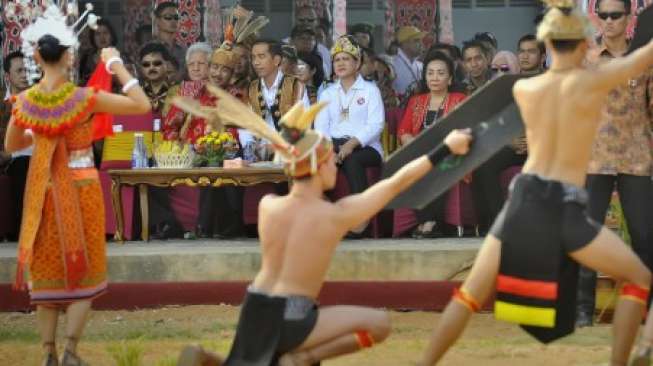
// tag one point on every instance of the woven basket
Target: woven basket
(174, 160)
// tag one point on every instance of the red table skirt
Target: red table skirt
(185, 204)
(183, 200)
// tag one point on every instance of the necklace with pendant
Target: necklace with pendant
(344, 111)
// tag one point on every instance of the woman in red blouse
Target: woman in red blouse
(433, 102)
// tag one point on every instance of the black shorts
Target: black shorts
(540, 224)
(536, 206)
(299, 319)
(270, 326)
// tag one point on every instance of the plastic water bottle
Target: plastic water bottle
(249, 152)
(156, 127)
(139, 153)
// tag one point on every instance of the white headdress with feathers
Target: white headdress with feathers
(53, 21)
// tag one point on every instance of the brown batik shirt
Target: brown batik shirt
(623, 140)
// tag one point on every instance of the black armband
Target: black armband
(440, 152)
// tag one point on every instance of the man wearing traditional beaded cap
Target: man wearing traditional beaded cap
(220, 209)
(299, 232)
(533, 248)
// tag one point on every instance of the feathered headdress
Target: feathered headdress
(54, 21)
(563, 21)
(300, 148)
(241, 24)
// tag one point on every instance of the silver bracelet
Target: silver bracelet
(110, 62)
(128, 85)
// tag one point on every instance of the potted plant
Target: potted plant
(212, 149)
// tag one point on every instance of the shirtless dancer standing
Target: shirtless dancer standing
(542, 233)
(299, 233)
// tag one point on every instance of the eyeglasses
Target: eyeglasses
(614, 15)
(171, 17)
(306, 20)
(147, 64)
(502, 68)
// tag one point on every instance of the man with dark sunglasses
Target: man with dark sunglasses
(166, 25)
(153, 71)
(154, 79)
(621, 154)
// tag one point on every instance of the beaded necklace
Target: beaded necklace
(274, 109)
(53, 113)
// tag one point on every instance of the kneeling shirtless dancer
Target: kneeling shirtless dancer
(543, 231)
(299, 233)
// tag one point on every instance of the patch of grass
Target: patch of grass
(18, 335)
(170, 360)
(126, 353)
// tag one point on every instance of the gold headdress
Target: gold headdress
(344, 44)
(563, 21)
(300, 148)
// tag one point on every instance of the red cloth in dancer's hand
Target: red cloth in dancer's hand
(102, 122)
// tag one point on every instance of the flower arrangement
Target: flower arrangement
(213, 148)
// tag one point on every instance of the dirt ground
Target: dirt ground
(159, 335)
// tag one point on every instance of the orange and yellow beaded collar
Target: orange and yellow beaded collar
(53, 114)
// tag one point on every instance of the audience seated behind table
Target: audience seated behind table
(220, 209)
(434, 101)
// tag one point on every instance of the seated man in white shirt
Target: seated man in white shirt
(354, 118)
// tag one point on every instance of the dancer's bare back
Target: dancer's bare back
(299, 234)
(561, 111)
(300, 231)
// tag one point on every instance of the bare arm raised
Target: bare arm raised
(356, 209)
(611, 74)
(135, 102)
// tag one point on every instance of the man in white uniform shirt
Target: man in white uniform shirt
(272, 94)
(406, 65)
(353, 119)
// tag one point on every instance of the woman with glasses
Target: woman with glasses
(434, 101)
(505, 62)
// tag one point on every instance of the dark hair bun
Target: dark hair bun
(50, 49)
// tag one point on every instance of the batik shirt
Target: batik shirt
(623, 139)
